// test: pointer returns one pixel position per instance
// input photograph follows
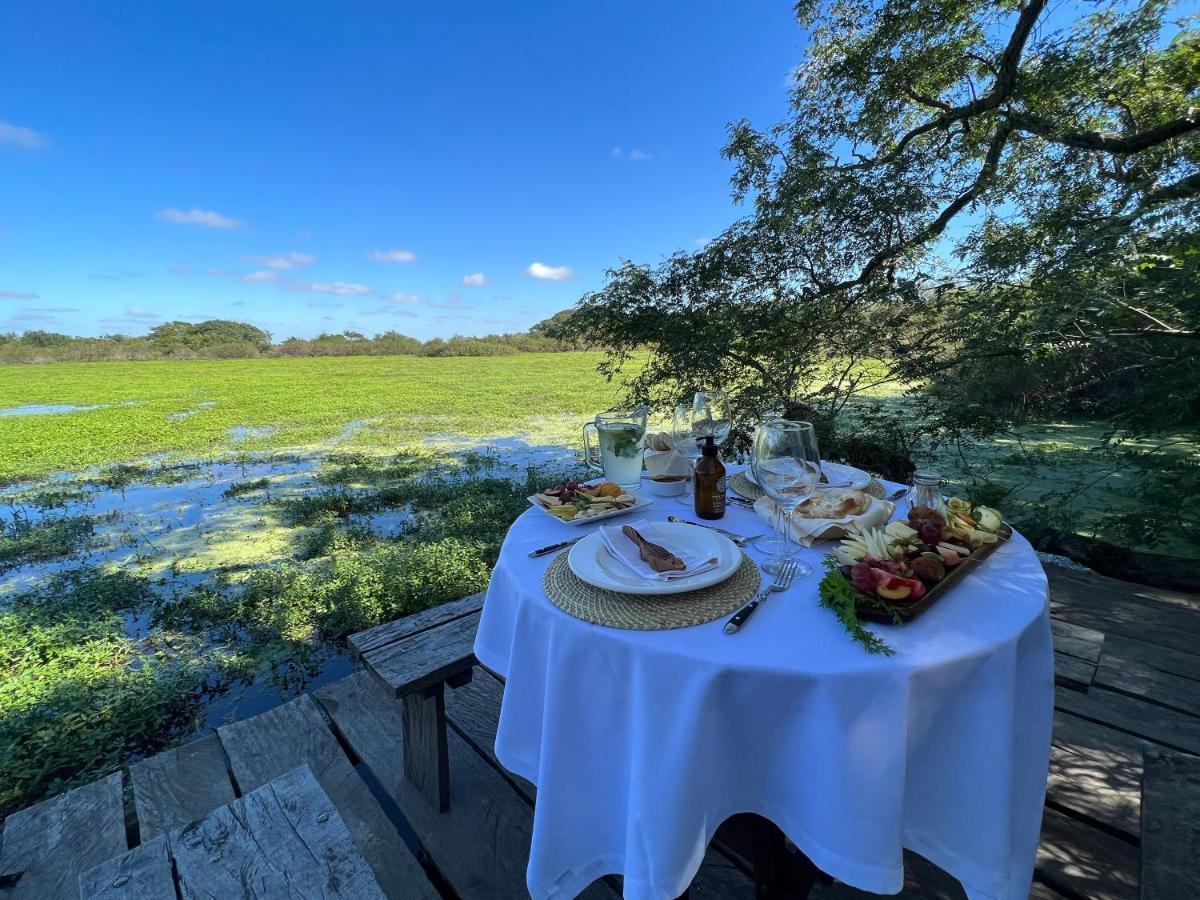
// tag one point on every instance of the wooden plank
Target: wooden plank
(1096, 771)
(474, 710)
(1128, 610)
(1162, 659)
(426, 759)
(425, 658)
(1076, 640)
(1073, 673)
(1170, 828)
(54, 841)
(1079, 860)
(1073, 586)
(390, 632)
(273, 743)
(284, 839)
(143, 873)
(1039, 891)
(481, 844)
(1168, 727)
(1136, 674)
(180, 786)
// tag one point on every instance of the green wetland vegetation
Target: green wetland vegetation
(185, 542)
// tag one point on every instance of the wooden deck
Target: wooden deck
(1128, 664)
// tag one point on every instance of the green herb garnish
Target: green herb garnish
(839, 595)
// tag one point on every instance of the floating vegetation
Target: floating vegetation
(23, 541)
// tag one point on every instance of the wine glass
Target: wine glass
(787, 466)
(708, 415)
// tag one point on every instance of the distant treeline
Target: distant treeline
(223, 339)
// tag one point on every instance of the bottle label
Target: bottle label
(719, 495)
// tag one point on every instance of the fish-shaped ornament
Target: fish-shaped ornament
(659, 558)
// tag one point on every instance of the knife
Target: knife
(542, 551)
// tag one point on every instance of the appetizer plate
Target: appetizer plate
(593, 563)
(839, 475)
(642, 503)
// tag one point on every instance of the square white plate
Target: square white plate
(642, 503)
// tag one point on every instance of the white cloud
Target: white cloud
(334, 287)
(261, 277)
(634, 155)
(393, 256)
(285, 260)
(19, 295)
(138, 312)
(20, 136)
(205, 217)
(548, 273)
(476, 279)
(404, 298)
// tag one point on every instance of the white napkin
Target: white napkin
(627, 552)
(667, 462)
(806, 531)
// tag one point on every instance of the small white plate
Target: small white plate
(642, 503)
(592, 562)
(837, 473)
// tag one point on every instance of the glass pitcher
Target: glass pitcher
(620, 440)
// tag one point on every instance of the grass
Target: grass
(305, 401)
(99, 665)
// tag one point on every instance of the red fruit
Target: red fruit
(929, 533)
(572, 485)
(890, 582)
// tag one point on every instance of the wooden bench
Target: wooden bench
(414, 658)
(1170, 826)
(280, 841)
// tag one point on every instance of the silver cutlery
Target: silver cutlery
(781, 583)
(896, 495)
(740, 540)
(551, 548)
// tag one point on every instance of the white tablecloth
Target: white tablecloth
(642, 743)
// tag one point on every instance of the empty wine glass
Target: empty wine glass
(787, 466)
(707, 415)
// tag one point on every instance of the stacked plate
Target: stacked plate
(837, 474)
(594, 563)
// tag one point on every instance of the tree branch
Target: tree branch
(1108, 143)
(1002, 87)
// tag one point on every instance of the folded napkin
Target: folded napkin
(806, 530)
(626, 551)
(667, 462)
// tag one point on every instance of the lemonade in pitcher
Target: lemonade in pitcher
(620, 439)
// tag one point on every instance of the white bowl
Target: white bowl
(666, 488)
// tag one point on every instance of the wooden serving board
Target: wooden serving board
(870, 611)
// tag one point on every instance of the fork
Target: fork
(781, 583)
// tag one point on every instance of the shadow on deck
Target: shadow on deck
(1128, 672)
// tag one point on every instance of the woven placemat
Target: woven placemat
(752, 491)
(744, 486)
(575, 596)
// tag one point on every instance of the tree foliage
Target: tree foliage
(964, 192)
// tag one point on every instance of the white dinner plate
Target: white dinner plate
(642, 503)
(592, 561)
(837, 473)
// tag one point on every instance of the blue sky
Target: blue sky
(432, 168)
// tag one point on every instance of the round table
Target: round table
(642, 742)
